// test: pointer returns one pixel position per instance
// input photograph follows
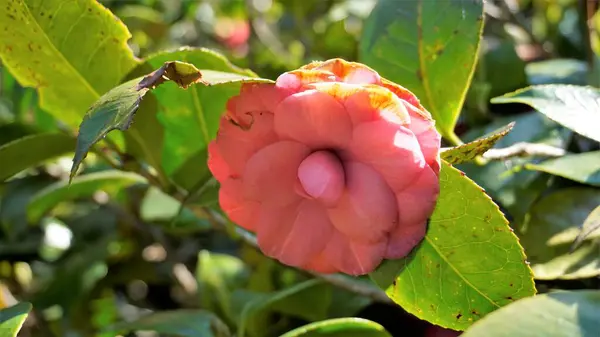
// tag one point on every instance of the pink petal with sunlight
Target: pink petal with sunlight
(315, 119)
(428, 137)
(217, 166)
(390, 149)
(404, 238)
(367, 211)
(418, 200)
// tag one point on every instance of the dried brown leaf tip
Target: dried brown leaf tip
(184, 74)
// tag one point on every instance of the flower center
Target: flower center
(322, 176)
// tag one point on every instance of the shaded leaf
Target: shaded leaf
(557, 71)
(115, 109)
(559, 314)
(183, 323)
(575, 107)
(29, 151)
(470, 151)
(12, 318)
(72, 51)
(553, 224)
(590, 225)
(340, 327)
(469, 264)
(84, 186)
(309, 300)
(218, 275)
(583, 167)
(516, 192)
(424, 46)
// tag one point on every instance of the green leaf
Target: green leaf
(115, 109)
(575, 107)
(583, 167)
(589, 227)
(469, 264)
(191, 118)
(183, 323)
(470, 151)
(340, 327)
(72, 51)
(309, 300)
(553, 224)
(160, 207)
(557, 71)
(218, 275)
(428, 47)
(110, 182)
(29, 151)
(559, 314)
(12, 318)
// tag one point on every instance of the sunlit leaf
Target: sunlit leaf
(575, 107)
(428, 47)
(72, 51)
(559, 314)
(590, 226)
(469, 264)
(340, 327)
(12, 318)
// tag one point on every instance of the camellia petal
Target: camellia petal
(241, 211)
(354, 258)
(237, 144)
(322, 176)
(315, 119)
(417, 201)
(390, 149)
(294, 234)
(333, 167)
(367, 211)
(271, 174)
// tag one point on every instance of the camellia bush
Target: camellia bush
(300, 168)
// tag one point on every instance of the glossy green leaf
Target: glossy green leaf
(428, 47)
(309, 300)
(12, 318)
(590, 226)
(559, 314)
(191, 118)
(583, 167)
(115, 109)
(72, 51)
(557, 71)
(110, 182)
(469, 264)
(29, 151)
(553, 224)
(575, 107)
(340, 327)
(182, 323)
(470, 151)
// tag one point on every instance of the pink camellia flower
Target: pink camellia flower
(333, 167)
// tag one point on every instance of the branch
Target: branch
(524, 149)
